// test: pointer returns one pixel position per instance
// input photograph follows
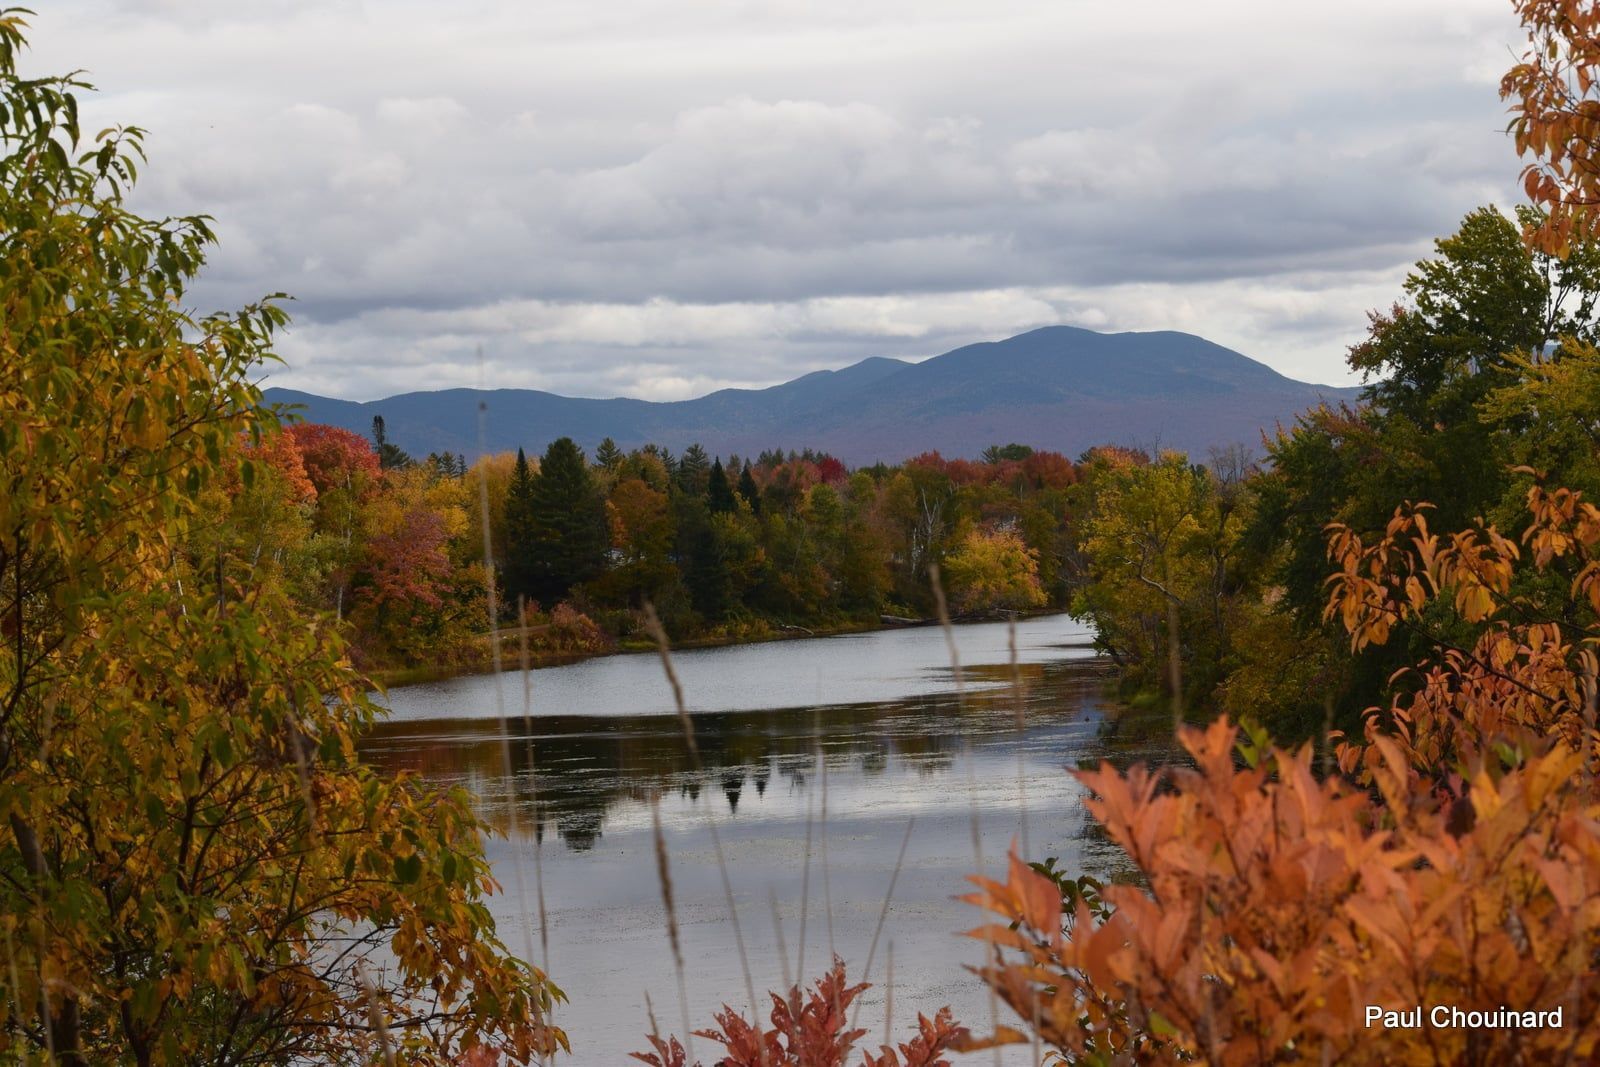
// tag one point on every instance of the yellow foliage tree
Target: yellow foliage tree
(993, 569)
(195, 866)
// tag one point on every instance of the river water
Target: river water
(874, 726)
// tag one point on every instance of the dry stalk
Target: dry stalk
(507, 769)
(1022, 801)
(943, 608)
(805, 888)
(375, 1014)
(827, 878)
(533, 783)
(783, 948)
(664, 876)
(883, 912)
(1022, 730)
(888, 997)
(654, 627)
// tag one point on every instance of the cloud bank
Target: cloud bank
(657, 200)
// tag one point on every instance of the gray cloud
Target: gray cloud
(657, 199)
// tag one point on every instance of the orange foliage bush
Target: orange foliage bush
(813, 1032)
(573, 632)
(1453, 861)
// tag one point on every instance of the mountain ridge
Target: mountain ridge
(1057, 387)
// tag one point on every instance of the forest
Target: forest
(1375, 631)
(394, 547)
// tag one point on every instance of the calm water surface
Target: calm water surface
(871, 724)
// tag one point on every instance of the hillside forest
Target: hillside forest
(1375, 630)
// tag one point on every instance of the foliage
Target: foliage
(392, 457)
(521, 532)
(197, 868)
(993, 569)
(1557, 117)
(563, 537)
(1480, 369)
(813, 1032)
(1454, 861)
(1159, 553)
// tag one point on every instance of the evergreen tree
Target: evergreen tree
(390, 455)
(719, 494)
(1002, 453)
(608, 455)
(694, 470)
(521, 534)
(570, 538)
(749, 490)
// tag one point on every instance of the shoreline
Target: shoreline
(393, 677)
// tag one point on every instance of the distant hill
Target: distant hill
(1059, 387)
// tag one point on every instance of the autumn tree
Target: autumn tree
(1555, 103)
(1448, 416)
(419, 599)
(198, 868)
(641, 535)
(990, 570)
(1484, 300)
(495, 473)
(1159, 568)
(345, 471)
(1442, 857)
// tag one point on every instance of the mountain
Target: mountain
(1059, 388)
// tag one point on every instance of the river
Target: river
(874, 725)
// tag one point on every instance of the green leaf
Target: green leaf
(408, 869)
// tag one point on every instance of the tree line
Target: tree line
(394, 547)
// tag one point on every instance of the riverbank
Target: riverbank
(511, 652)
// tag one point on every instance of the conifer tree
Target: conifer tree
(569, 539)
(521, 533)
(719, 494)
(749, 490)
(390, 455)
(694, 470)
(608, 455)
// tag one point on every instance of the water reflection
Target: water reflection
(570, 772)
(803, 886)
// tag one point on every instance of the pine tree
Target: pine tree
(390, 455)
(694, 470)
(570, 538)
(749, 490)
(521, 533)
(608, 455)
(719, 494)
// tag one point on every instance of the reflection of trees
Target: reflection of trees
(569, 776)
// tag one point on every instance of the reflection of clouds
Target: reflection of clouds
(885, 665)
(889, 760)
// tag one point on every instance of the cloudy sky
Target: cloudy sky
(658, 199)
